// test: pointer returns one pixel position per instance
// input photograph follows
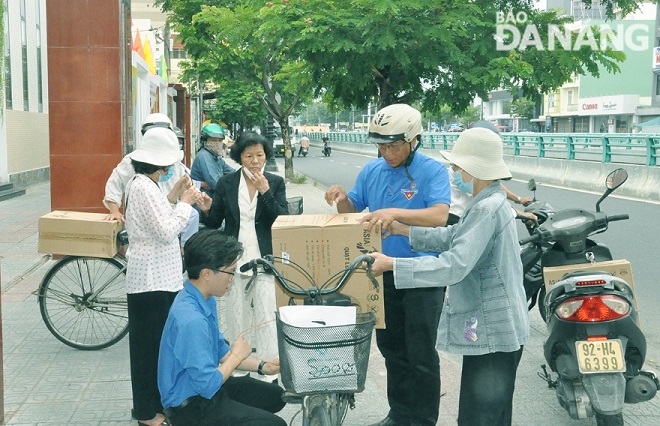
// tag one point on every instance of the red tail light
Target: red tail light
(590, 282)
(593, 308)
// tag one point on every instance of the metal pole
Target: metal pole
(271, 165)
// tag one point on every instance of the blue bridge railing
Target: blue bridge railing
(631, 148)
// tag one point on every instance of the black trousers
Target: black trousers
(240, 401)
(147, 313)
(408, 346)
(487, 385)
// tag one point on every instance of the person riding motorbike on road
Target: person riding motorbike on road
(304, 145)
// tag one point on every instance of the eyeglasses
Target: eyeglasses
(233, 274)
(392, 147)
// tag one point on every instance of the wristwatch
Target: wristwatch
(519, 198)
(260, 369)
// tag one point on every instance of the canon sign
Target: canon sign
(586, 107)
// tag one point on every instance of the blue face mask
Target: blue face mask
(463, 186)
(170, 173)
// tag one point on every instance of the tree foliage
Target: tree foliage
(435, 51)
(353, 52)
(229, 44)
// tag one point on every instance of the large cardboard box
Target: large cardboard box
(324, 245)
(619, 268)
(78, 234)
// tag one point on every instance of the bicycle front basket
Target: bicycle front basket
(325, 359)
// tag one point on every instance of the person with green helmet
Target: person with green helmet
(209, 165)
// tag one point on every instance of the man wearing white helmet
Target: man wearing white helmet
(171, 184)
(408, 187)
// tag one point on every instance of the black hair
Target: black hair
(247, 139)
(146, 168)
(210, 249)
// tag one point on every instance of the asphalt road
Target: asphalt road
(637, 239)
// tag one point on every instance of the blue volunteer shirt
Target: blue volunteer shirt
(190, 349)
(380, 186)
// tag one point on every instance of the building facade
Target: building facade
(24, 136)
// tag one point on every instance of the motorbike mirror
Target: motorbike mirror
(616, 179)
(531, 185)
(613, 181)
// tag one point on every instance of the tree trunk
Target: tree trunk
(288, 152)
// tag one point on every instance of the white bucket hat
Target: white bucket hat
(479, 152)
(159, 147)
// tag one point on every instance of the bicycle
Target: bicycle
(82, 300)
(325, 389)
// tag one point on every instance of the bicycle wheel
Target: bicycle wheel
(83, 301)
(319, 417)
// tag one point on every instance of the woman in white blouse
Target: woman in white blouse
(248, 201)
(153, 275)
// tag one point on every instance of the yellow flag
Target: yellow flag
(149, 56)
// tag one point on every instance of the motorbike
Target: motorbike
(531, 254)
(326, 149)
(595, 347)
(304, 151)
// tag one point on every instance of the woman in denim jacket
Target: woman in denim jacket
(485, 312)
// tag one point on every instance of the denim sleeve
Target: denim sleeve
(471, 238)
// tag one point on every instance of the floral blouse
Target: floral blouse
(153, 226)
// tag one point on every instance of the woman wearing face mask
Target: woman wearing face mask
(209, 166)
(248, 201)
(153, 275)
(461, 192)
(484, 317)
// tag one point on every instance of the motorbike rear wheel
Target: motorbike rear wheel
(609, 420)
(541, 304)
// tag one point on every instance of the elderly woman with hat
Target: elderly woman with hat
(484, 317)
(153, 276)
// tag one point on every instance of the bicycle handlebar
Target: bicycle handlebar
(266, 263)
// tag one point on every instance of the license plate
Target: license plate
(600, 356)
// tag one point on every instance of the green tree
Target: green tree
(231, 43)
(522, 107)
(439, 52)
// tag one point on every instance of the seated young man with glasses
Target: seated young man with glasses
(196, 363)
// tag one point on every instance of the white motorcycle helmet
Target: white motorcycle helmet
(394, 123)
(156, 120)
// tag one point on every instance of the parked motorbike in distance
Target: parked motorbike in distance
(595, 347)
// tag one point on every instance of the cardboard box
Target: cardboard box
(78, 234)
(619, 268)
(324, 245)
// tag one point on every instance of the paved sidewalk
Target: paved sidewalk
(48, 383)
